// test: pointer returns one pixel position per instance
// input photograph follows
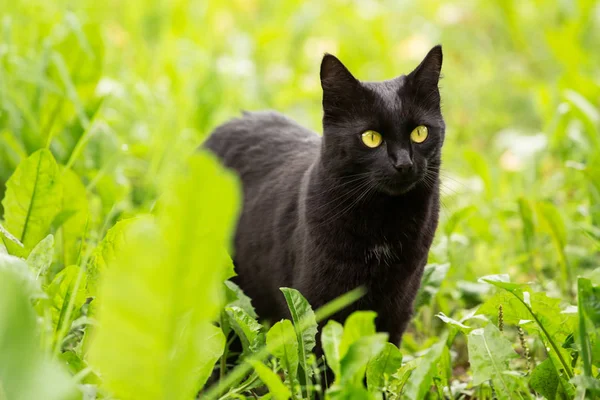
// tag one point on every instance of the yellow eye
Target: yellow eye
(371, 139)
(419, 134)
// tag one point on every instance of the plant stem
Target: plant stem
(565, 365)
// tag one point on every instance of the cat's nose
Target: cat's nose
(401, 161)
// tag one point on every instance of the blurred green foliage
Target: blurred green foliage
(103, 103)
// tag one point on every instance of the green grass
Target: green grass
(115, 233)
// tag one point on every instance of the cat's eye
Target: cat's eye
(371, 139)
(419, 134)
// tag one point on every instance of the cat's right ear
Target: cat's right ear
(335, 77)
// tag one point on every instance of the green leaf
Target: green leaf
(354, 362)
(213, 350)
(19, 268)
(305, 325)
(247, 328)
(41, 256)
(73, 228)
(589, 323)
(382, 367)
(357, 325)
(60, 292)
(400, 377)
(9, 236)
(421, 377)
(236, 297)
(25, 371)
(528, 225)
(106, 252)
(552, 219)
(456, 218)
(76, 365)
(586, 384)
(589, 112)
(544, 379)
(32, 200)
(454, 323)
(433, 276)
(480, 166)
(331, 338)
(349, 392)
(270, 378)
(164, 287)
(282, 343)
(489, 355)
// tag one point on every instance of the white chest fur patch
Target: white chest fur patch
(383, 253)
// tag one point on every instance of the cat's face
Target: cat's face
(389, 132)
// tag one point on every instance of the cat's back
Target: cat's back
(260, 143)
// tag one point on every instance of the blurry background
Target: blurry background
(123, 90)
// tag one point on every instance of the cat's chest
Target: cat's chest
(383, 253)
(400, 244)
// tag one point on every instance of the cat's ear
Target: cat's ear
(427, 74)
(335, 77)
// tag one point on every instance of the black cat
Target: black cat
(356, 207)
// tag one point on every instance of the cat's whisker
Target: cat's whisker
(342, 198)
(345, 181)
(329, 218)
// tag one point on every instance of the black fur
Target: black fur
(325, 215)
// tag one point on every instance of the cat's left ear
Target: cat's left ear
(428, 72)
(335, 77)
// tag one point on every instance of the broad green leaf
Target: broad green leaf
(433, 276)
(32, 200)
(73, 229)
(362, 350)
(25, 371)
(381, 367)
(421, 377)
(213, 348)
(41, 256)
(236, 297)
(544, 379)
(247, 328)
(331, 339)
(282, 343)
(489, 356)
(304, 323)
(270, 378)
(165, 286)
(357, 325)
(106, 252)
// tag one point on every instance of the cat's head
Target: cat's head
(391, 131)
